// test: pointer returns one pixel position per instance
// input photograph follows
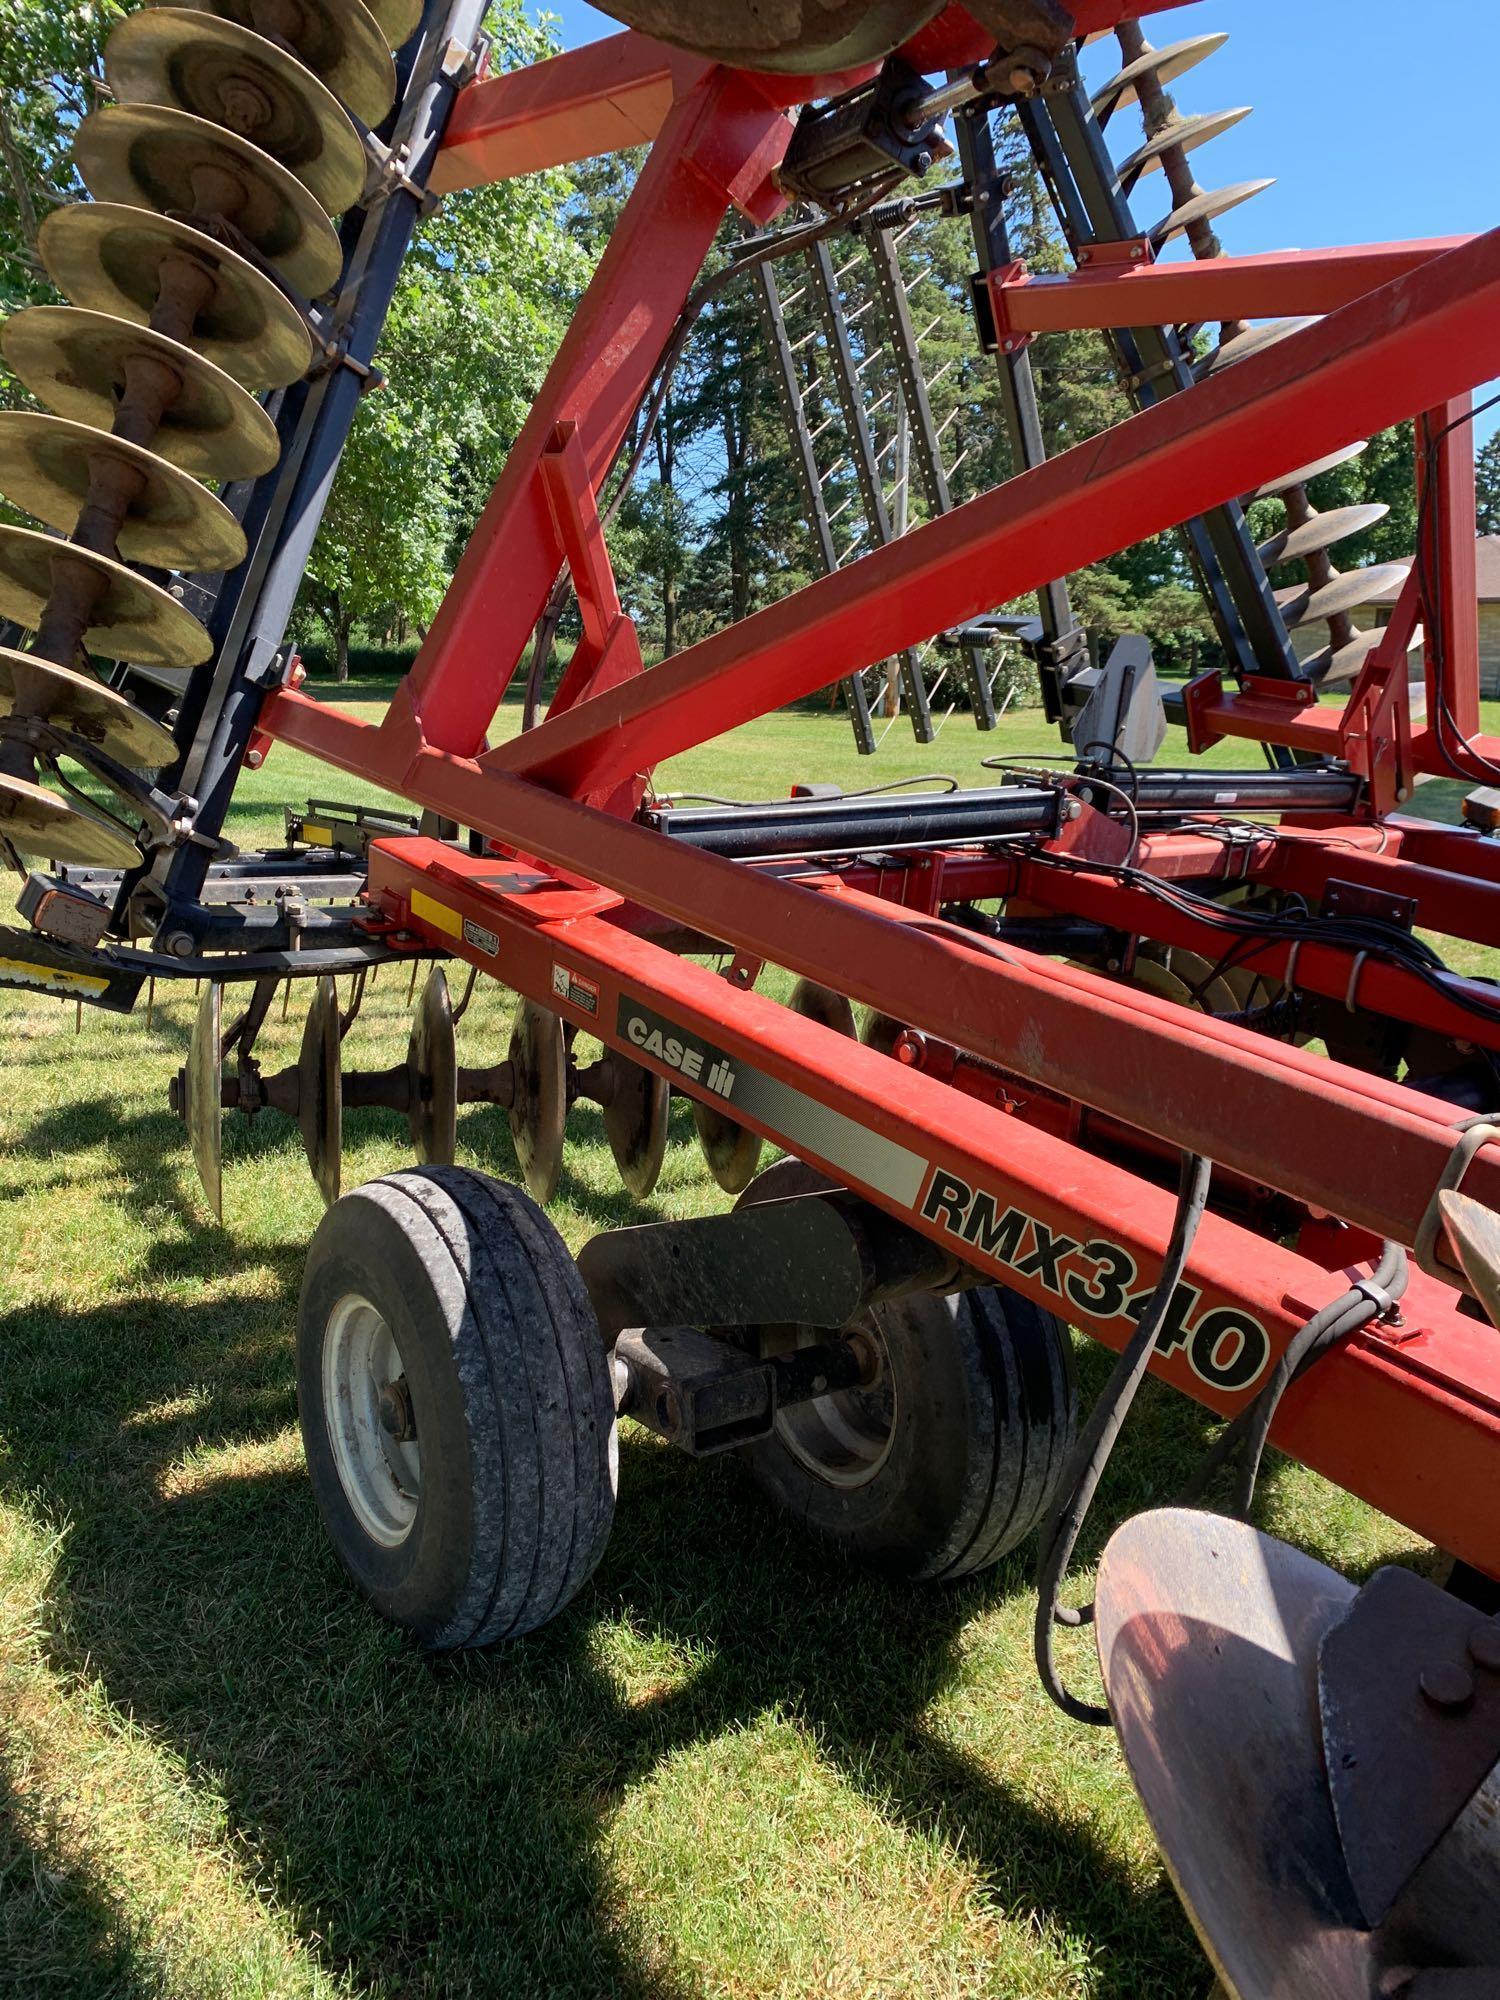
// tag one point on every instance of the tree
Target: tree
(1487, 483)
(482, 302)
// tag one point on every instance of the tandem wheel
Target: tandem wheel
(456, 1405)
(953, 1455)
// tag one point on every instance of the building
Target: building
(1313, 638)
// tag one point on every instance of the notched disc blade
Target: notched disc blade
(1321, 532)
(731, 1151)
(339, 42)
(635, 1123)
(224, 73)
(38, 822)
(202, 1111)
(78, 364)
(823, 1005)
(146, 154)
(432, 1061)
(539, 1110)
(132, 619)
(107, 256)
(47, 464)
(84, 706)
(320, 1100)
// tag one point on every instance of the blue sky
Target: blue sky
(1375, 130)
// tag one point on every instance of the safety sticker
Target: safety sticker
(575, 989)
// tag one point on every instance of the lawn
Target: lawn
(730, 1769)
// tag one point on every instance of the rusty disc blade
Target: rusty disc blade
(635, 1123)
(1330, 668)
(880, 1031)
(1166, 64)
(145, 154)
(1205, 206)
(732, 1152)
(801, 38)
(1185, 134)
(539, 1110)
(320, 1096)
(1474, 1232)
(109, 257)
(202, 1108)
(132, 619)
(1321, 532)
(1352, 590)
(219, 71)
(76, 363)
(432, 1062)
(823, 1005)
(47, 463)
(37, 822)
(337, 39)
(1203, 1623)
(1274, 488)
(1255, 340)
(85, 707)
(396, 19)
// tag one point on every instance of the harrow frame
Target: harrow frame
(1039, 1107)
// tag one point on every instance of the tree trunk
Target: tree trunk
(342, 625)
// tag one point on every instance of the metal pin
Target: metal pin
(150, 998)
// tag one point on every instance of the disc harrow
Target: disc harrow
(1308, 536)
(215, 174)
(1168, 1055)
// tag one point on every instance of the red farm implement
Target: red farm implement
(1169, 1055)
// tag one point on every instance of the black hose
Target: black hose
(1091, 1454)
(1343, 1316)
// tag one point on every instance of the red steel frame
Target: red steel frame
(1039, 1115)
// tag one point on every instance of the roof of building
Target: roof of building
(1487, 568)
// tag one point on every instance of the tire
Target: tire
(954, 1455)
(485, 1520)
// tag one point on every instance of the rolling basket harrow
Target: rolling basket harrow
(1082, 985)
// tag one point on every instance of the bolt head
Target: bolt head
(1448, 1687)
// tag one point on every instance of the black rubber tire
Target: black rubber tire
(511, 1394)
(985, 1411)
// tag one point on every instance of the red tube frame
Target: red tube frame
(1414, 1423)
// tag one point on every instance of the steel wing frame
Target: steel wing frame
(1038, 1111)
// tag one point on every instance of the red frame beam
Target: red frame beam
(1281, 284)
(1348, 376)
(1281, 1115)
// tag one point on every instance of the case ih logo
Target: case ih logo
(1225, 1347)
(695, 1060)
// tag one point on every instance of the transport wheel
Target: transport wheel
(456, 1405)
(952, 1456)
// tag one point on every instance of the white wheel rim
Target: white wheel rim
(845, 1437)
(364, 1391)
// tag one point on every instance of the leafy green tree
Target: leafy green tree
(1487, 484)
(483, 300)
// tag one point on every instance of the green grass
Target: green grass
(731, 1769)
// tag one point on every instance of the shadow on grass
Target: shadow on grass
(434, 1825)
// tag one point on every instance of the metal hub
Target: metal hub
(372, 1423)
(845, 1437)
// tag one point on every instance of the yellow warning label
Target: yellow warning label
(316, 836)
(50, 978)
(437, 914)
